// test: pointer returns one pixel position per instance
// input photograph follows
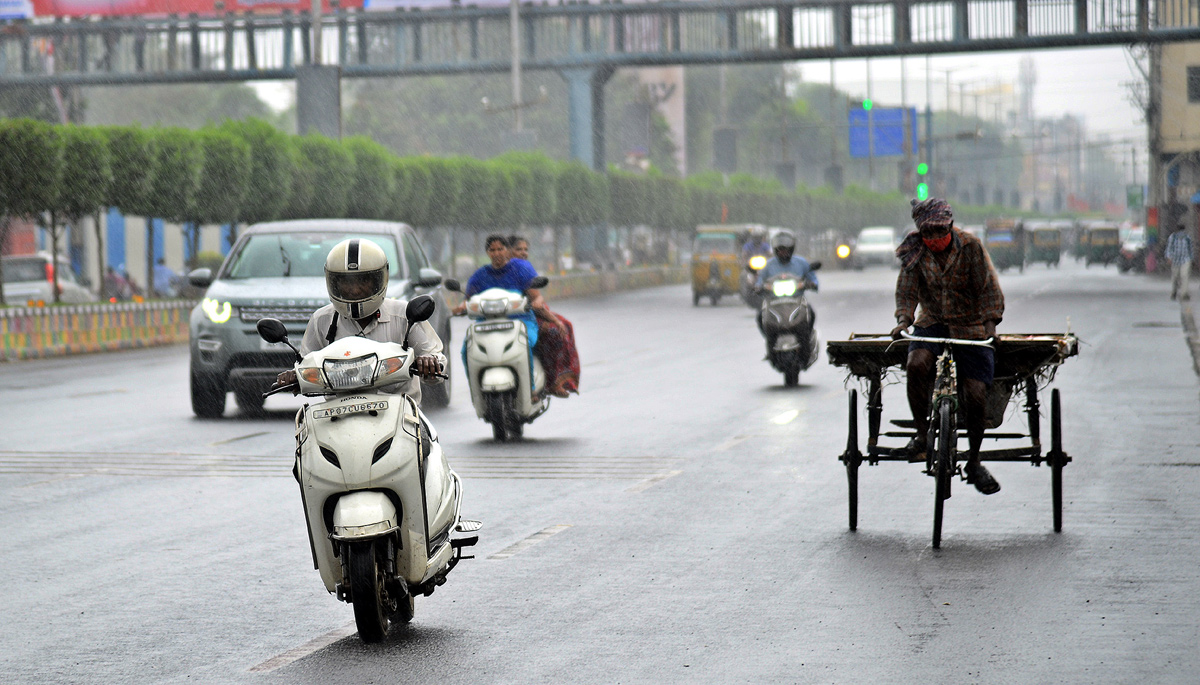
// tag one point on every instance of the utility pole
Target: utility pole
(316, 29)
(514, 17)
(870, 133)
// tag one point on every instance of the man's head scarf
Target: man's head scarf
(932, 212)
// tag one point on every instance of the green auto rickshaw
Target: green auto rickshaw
(716, 263)
(1044, 244)
(1102, 244)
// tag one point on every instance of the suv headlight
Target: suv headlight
(218, 312)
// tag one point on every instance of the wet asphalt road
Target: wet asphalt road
(684, 520)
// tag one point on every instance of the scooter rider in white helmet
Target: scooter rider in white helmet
(356, 276)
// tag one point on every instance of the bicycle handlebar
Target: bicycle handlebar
(948, 341)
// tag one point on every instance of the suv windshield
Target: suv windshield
(23, 270)
(298, 255)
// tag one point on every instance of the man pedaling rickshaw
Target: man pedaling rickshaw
(947, 272)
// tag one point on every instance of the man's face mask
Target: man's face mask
(938, 243)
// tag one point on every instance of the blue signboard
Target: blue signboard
(888, 127)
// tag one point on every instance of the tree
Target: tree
(272, 163)
(31, 162)
(179, 163)
(87, 175)
(413, 184)
(222, 185)
(324, 170)
(373, 181)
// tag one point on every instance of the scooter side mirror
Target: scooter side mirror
(539, 282)
(452, 285)
(272, 330)
(420, 308)
(814, 266)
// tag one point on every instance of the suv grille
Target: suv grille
(284, 314)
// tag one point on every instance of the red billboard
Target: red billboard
(112, 8)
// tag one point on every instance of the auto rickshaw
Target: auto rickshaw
(716, 263)
(1044, 244)
(1103, 244)
(1005, 241)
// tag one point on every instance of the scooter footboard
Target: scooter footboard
(364, 515)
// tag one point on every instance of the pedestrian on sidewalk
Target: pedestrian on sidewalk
(1179, 253)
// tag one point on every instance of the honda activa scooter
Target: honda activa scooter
(789, 326)
(506, 379)
(380, 500)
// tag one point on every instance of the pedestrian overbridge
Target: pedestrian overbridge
(584, 42)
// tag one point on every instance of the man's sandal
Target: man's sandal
(916, 450)
(981, 479)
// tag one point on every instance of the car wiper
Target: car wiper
(287, 262)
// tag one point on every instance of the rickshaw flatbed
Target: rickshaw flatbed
(1023, 360)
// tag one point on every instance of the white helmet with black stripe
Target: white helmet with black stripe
(356, 274)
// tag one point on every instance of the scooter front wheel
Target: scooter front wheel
(368, 593)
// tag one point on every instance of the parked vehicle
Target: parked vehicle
(277, 270)
(877, 245)
(716, 263)
(1102, 244)
(380, 500)
(789, 326)
(30, 279)
(1133, 249)
(1005, 241)
(506, 379)
(1044, 244)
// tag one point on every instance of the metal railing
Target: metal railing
(455, 40)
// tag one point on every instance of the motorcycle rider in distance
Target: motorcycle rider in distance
(784, 262)
(356, 276)
(756, 244)
(949, 275)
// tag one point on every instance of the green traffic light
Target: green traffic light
(867, 104)
(922, 191)
(922, 168)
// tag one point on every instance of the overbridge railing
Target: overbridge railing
(469, 39)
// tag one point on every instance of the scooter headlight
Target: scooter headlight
(785, 288)
(843, 251)
(351, 374)
(757, 262)
(495, 307)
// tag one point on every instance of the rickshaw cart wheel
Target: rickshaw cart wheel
(852, 459)
(1056, 457)
(947, 443)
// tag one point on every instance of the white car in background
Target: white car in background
(30, 278)
(877, 245)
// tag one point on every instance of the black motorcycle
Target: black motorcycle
(788, 323)
(749, 290)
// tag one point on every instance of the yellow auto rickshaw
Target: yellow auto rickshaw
(1102, 244)
(716, 263)
(1044, 244)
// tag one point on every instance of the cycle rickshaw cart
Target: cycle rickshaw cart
(1025, 365)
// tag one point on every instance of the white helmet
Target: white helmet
(356, 275)
(783, 239)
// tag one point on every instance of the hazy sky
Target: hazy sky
(1090, 82)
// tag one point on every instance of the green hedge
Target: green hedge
(249, 171)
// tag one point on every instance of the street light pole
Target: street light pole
(316, 29)
(514, 17)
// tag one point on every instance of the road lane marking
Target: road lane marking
(731, 442)
(786, 417)
(240, 437)
(530, 541)
(297, 653)
(655, 480)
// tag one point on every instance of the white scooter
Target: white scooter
(380, 500)
(504, 375)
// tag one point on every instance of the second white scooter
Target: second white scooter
(506, 379)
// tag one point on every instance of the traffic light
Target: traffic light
(922, 185)
(867, 104)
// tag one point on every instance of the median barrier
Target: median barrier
(38, 332)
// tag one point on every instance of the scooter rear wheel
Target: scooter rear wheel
(367, 593)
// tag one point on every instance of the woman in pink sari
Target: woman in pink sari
(556, 339)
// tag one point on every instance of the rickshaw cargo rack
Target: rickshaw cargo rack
(1024, 362)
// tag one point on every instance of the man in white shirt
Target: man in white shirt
(356, 275)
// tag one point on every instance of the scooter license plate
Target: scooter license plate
(493, 327)
(334, 412)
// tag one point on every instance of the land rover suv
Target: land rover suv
(277, 270)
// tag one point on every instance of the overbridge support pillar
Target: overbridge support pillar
(319, 100)
(585, 110)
